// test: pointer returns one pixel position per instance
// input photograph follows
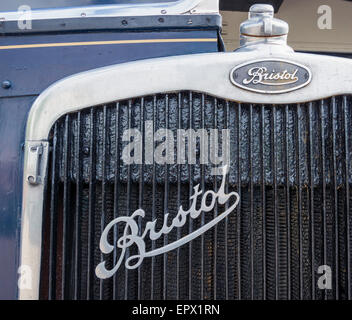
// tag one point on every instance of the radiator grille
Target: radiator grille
(289, 163)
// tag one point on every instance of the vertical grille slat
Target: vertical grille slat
(312, 206)
(103, 193)
(290, 165)
(323, 164)
(276, 231)
(128, 201)
(155, 117)
(116, 192)
(141, 192)
(251, 222)
(263, 196)
(215, 237)
(226, 208)
(166, 199)
(347, 197)
(53, 219)
(66, 200)
(299, 201)
(91, 206)
(202, 218)
(238, 211)
(335, 197)
(288, 201)
(77, 273)
(190, 223)
(178, 262)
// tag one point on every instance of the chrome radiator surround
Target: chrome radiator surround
(207, 73)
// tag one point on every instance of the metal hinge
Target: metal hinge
(35, 153)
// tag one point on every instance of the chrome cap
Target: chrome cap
(261, 26)
(259, 10)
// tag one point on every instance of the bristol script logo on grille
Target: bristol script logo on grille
(270, 76)
(263, 76)
(133, 236)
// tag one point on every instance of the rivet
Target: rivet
(31, 179)
(163, 11)
(124, 22)
(86, 150)
(6, 84)
(161, 20)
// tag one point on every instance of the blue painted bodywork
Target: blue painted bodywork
(30, 71)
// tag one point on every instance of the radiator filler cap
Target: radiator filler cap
(262, 27)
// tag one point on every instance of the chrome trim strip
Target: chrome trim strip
(208, 73)
(146, 9)
(187, 21)
(31, 222)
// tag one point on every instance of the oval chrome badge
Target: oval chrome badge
(270, 76)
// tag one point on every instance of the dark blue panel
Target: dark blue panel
(31, 70)
(13, 114)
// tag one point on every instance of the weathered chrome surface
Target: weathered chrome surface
(208, 73)
(261, 23)
(271, 76)
(170, 8)
(31, 244)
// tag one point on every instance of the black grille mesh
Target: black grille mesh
(289, 163)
